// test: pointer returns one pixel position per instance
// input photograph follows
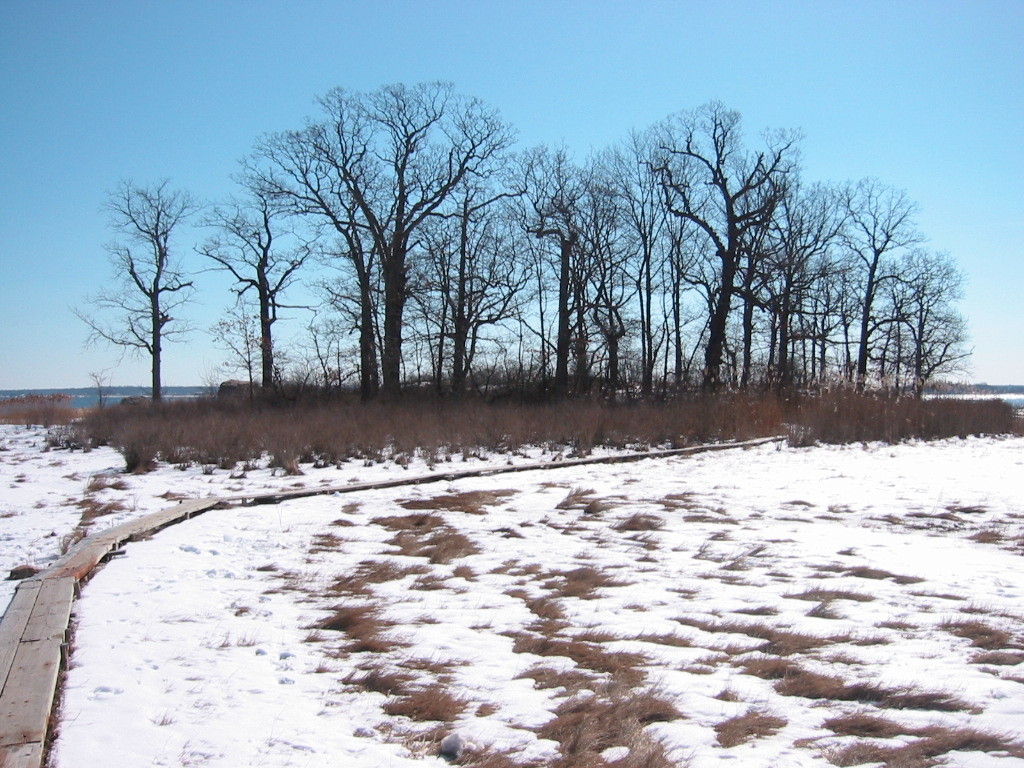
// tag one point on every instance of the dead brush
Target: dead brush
(827, 595)
(469, 502)
(866, 725)
(928, 750)
(587, 725)
(362, 626)
(577, 498)
(778, 641)
(376, 678)
(590, 656)
(326, 542)
(753, 724)
(583, 582)
(93, 509)
(981, 635)
(640, 522)
(767, 667)
(99, 483)
(866, 572)
(814, 685)
(421, 522)
(571, 680)
(433, 702)
(999, 658)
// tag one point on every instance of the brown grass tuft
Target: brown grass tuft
(751, 725)
(814, 685)
(587, 725)
(640, 522)
(866, 725)
(581, 582)
(379, 680)
(589, 656)
(825, 595)
(363, 627)
(469, 502)
(981, 635)
(431, 703)
(927, 751)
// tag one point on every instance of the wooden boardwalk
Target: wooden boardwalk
(33, 630)
(33, 634)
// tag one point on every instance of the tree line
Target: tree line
(686, 256)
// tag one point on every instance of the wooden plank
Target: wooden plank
(87, 554)
(22, 755)
(52, 611)
(27, 698)
(13, 624)
(286, 495)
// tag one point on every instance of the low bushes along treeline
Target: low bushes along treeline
(45, 410)
(218, 433)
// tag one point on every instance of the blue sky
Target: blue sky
(928, 96)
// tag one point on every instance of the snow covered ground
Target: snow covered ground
(763, 607)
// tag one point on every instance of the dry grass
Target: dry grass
(590, 656)
(866, 726)
(93, 509)
(778, 641)
(814, 685)
(981, 635)
(581, 582)
(586, 725)
(640, 522)
(571, 680)
(443, 544)
(866, 572)
(362, 626)
(753, 724)
(433, 702)
(928, 750)
(827, 595)
(469, 502)
(999, 658)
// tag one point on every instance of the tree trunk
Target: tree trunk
(563, 340)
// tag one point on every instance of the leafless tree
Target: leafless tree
(238, 333)
(711, 181)
(256, 245)
(922, 298)
(376, 166)
(879, 223)
(139, 312)
(551, 211)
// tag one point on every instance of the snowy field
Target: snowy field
(861, 605)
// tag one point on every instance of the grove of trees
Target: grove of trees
(688, 256)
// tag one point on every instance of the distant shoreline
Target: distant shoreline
(88, 397)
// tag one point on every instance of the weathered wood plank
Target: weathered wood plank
(286, 495)
(13, 624)
(52, 610)
(22, 755)
(85, 556)
(27, 697)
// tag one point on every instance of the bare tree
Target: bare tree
(727, 193)
(644, 220)
(377, 166)
(263, 255)
(150, 285)
(551, 210)
(238, 333)
(804, 232)
(923, 297)
(879, 222)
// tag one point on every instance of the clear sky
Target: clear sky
(927, 95)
